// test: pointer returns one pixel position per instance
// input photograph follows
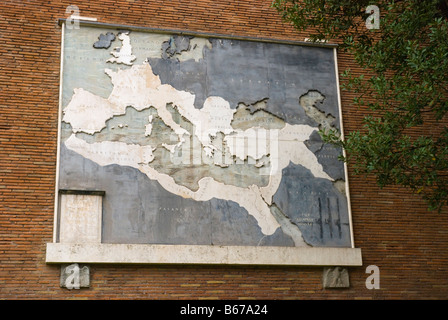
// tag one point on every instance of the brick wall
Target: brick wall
(391, 225)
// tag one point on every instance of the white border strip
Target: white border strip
(347, 189)
(196, 34)
(73, 17)
(201, 254)
(58, 150)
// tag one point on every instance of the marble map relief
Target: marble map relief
(202, 141)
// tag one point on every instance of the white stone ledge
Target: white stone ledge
(201, 254)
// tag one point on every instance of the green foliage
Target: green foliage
(404, 138)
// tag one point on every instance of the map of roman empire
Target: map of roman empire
(200, 140)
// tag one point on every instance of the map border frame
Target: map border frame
(197, 254)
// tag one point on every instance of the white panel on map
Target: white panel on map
(80, 220)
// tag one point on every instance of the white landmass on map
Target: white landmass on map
(123, 54)
(140, 88)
